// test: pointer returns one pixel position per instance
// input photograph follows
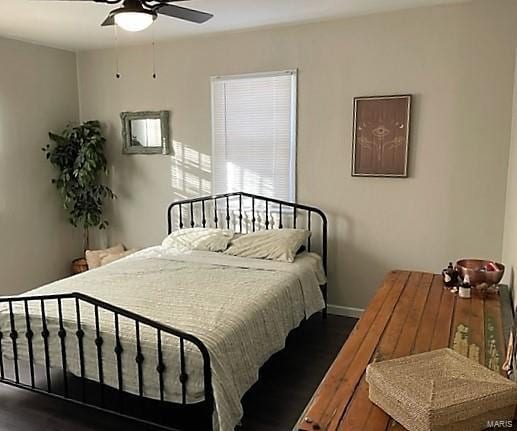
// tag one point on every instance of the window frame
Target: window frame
(294, 123)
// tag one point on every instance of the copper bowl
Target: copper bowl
(474, 269)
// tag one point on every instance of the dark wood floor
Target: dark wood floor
(286, 383)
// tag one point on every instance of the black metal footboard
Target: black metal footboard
(245, 212)
(44, 324)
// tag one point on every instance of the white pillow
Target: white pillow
(278, 244)
(94, 257)
(113, 257)
(199, 238)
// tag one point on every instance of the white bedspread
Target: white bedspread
(242, 309)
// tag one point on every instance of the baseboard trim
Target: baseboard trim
(339, 310)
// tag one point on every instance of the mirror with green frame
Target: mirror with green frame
(145, 132)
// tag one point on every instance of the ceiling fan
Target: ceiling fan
(137, 15)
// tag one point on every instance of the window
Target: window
(254, 134)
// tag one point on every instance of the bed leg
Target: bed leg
(325, 310)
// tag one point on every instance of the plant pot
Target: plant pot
(79, 265)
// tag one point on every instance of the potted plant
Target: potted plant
(78, 156)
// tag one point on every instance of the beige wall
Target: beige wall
(38, 93)
(458, 62)
(510, 225)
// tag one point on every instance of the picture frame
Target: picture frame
(381, 131)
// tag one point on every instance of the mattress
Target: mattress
(242, 309)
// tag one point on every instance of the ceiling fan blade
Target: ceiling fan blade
(110, 20)
(183, 13)
(91, 1)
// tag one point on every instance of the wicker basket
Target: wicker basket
(441, 391)
(79, 265)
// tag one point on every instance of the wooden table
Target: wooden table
(410, 313)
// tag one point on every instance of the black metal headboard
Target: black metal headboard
(244, 212)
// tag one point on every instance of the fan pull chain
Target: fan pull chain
(117, 53)
(154, 60)
(154, 54)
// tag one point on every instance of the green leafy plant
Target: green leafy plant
(78, 156)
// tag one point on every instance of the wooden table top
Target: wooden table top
(410, 313)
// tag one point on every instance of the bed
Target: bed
(181, 329)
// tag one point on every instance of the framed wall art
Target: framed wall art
(381, 136)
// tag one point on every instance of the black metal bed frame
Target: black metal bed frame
(11, 371)
(238, 202)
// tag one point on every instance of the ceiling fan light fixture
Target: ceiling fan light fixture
(134, 21)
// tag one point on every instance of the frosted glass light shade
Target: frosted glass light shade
(134, 21)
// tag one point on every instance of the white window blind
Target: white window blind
(254, 134)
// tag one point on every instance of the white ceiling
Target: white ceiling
(75, 25)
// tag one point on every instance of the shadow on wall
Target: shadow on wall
(123, 171)
(191, 175)
(191, 172)
(350, 264)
